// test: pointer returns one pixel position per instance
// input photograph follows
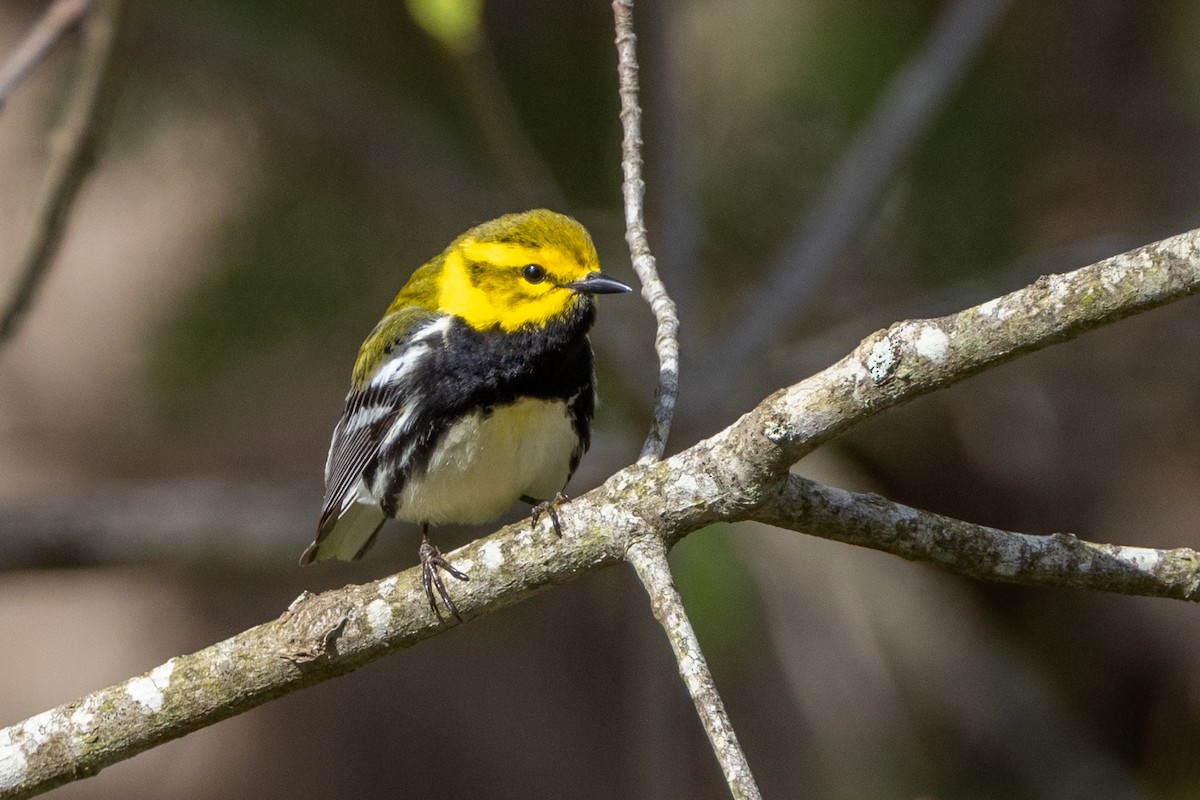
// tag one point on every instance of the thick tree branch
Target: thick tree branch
(741, 473)
(318, 637)
(963, 548)
(916, 357)
(73, 151)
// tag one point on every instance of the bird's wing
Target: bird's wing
(371, 413)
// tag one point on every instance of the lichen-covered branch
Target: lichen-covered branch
(317, 638)
(739, 474)
(1060, 559)
(913, 358)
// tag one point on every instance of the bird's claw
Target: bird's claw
(549, 507)
(432, 561)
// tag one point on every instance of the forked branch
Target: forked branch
(739, 474)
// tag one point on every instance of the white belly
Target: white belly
(483, 465)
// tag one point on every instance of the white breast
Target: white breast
(484, 464)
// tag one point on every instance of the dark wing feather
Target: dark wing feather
(352, 451)
(369, 416)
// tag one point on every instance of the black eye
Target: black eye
(533, 273)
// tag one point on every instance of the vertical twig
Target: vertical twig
(73, 151)
(648, 554)
(60, 17)
(633, 188)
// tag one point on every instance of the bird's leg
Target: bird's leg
(550, 507)
(432, 561)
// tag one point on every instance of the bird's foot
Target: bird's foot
(547, 507)
(432, 563)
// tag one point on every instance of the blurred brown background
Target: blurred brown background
(273, 172)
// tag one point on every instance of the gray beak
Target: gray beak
(597, 283)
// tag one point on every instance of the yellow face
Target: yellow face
(511, 284)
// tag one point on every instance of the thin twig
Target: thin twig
(73, 152)
(648, 555)
(909, 104)
(666, 341)
(59, 18)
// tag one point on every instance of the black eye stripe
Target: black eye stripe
(533, 273)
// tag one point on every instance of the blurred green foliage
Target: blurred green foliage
(855, 47)
(557, 62)
(720, 594)
(309, 253)
(986, 134)
(455, 23)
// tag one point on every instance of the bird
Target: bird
(476, 390)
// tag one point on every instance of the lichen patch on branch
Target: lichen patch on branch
(379, 614)
(931, 343)
(492, 555)
(883, 360)
(147, 690)
(12, 757)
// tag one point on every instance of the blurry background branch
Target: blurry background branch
(908, 107)
(741, 473)
(73, 149)
(194, 522)
(60, 17)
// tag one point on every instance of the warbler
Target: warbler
(474, 391)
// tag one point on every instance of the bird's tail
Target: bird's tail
(346, 536)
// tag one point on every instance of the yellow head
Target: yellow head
(520, 270)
